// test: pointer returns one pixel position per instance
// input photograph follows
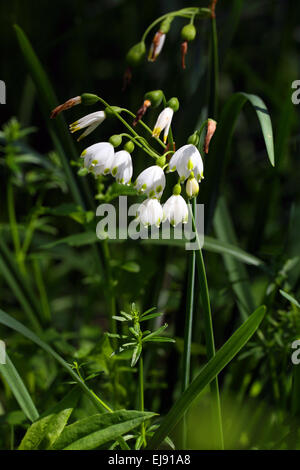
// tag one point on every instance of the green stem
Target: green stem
(111, 290)
(146, 148)
(186, 369)
(209, 340)
(141, 395)
(13, 224)
(185, 12)
(144, 125)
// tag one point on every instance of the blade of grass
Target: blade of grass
(18, 388)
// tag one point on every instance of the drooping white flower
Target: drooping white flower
(163, 123)
(175, 210)
(156, 46)
(150, 212)
(91, 121)
(121, 167)
(98, 158)
(185, 160)
(151, 181)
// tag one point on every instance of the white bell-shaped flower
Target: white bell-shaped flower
(175, 210)
(185, 160)
(98, 158)
(151, 181)
(91, 121)
(121, 167)
(163, 123)
(150, 212)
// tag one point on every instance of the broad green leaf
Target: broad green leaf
(18, 388)
(43, 433)
(214, 366)
(94, 431)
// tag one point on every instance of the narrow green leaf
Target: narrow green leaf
(10, 322)
(214, 245)
(290, 298)
(219, 152)
(18, 388)
(94, 431)
(225, 354)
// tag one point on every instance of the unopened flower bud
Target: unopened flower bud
(211, 127)
(89, 99)
(192, 187)
(173, 103)
(67, 105)
(136, 54)
(115, 140)
(129, 146)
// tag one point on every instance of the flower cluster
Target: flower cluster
(103, 159)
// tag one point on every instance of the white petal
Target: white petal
(163, 122)
(121, 167)
(175, 210)
(150, 212)
(185, 160)
(151, 181)
(99, 157)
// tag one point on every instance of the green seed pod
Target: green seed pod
(161, 161)
(188, 32)
(194, 139)
(129, 146)
(109, 110)
(165, 25)
(177, 190)
(88, 99)
(173, 103)
(136, 54)
(155, 97)
(115, 140)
